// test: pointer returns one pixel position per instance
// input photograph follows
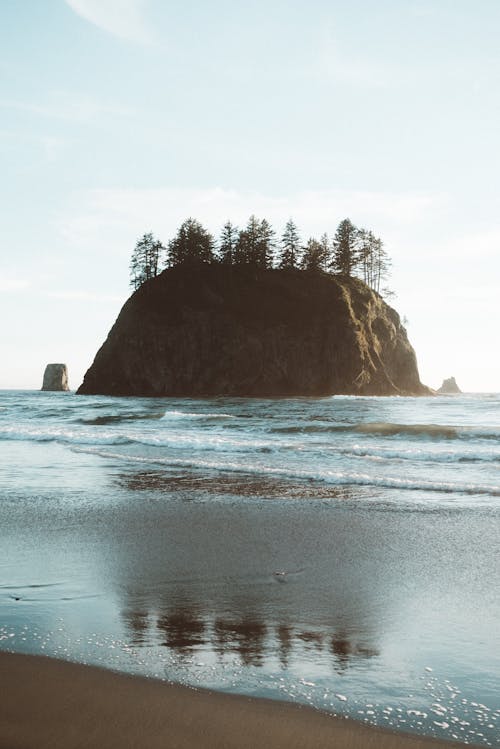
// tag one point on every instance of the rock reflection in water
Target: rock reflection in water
(185, 630)
(181, 629)
(239, 484)
(245, 637)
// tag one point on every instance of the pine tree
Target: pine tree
(227, 243)
(246, 246)
(145, 260)
(366, 241)
(255, 244)
(316, 254)
(310, 258)
(374, 262)
(290, 246)
(345, 255)
(192, 243)
(265, 245)
(382, 268)
(326, 252)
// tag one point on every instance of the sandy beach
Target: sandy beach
(50, 704)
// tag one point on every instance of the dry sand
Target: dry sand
(47, 704)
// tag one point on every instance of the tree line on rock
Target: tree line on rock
(352, 252)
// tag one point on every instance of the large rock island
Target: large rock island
(205, 330)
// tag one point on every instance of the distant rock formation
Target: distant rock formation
(205, 330)
(55, 377)
(449, 387)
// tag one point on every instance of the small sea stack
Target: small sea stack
(55, 378)
(449, 387)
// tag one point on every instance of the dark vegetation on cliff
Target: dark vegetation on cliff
(351, 252)
(201, 329)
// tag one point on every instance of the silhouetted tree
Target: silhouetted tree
(145, 261)
(255, 244)
(345, 248)
(374, 262)
(314, 257)
(227, 243)
(326, 252)
(290, 246)
(265, 245)
(191, 243)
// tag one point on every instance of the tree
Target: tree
(290, 246)
(374, 262)
(265, 245)
(315, 254)
(366, 244)
(255, 244)
(326, 252)
(191, 243)
(145, 260)
(382, 268)
(227, 243)
(345, 246)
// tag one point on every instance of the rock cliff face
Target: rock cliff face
(214, 330)
(55, 377)
(449, 387)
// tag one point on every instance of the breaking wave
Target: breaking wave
(411, 454)
(383, 429)
(334, 478)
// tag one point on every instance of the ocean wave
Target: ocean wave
(432, 431)
(311, 429)
(411, 454)
(206, 441)
(53, 434)
(175, 415)
(184, 440)
(118, 419)
(334, 478)
(389, 429)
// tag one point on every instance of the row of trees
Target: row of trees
(351, 252)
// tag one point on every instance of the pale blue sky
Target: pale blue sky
(123, 116)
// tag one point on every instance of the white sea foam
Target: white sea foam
(176, 415)
(66, 436)
(412, 453)
(334, 478)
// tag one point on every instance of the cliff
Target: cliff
(207, 330)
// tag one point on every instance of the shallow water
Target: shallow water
(341, 552)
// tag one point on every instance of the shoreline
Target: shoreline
(51, 704)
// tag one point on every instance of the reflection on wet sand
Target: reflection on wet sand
(249, 581)
(185, 629)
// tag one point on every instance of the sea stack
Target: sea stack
(55, 377)
(206, 330)
(449, 387)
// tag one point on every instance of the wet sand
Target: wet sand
(50, 704)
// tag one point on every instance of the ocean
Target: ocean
(340, 552)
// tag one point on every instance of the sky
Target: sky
(119, 117)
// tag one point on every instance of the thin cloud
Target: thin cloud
(115, 218)
(122, 18)
(67, 105)
(13, 284)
